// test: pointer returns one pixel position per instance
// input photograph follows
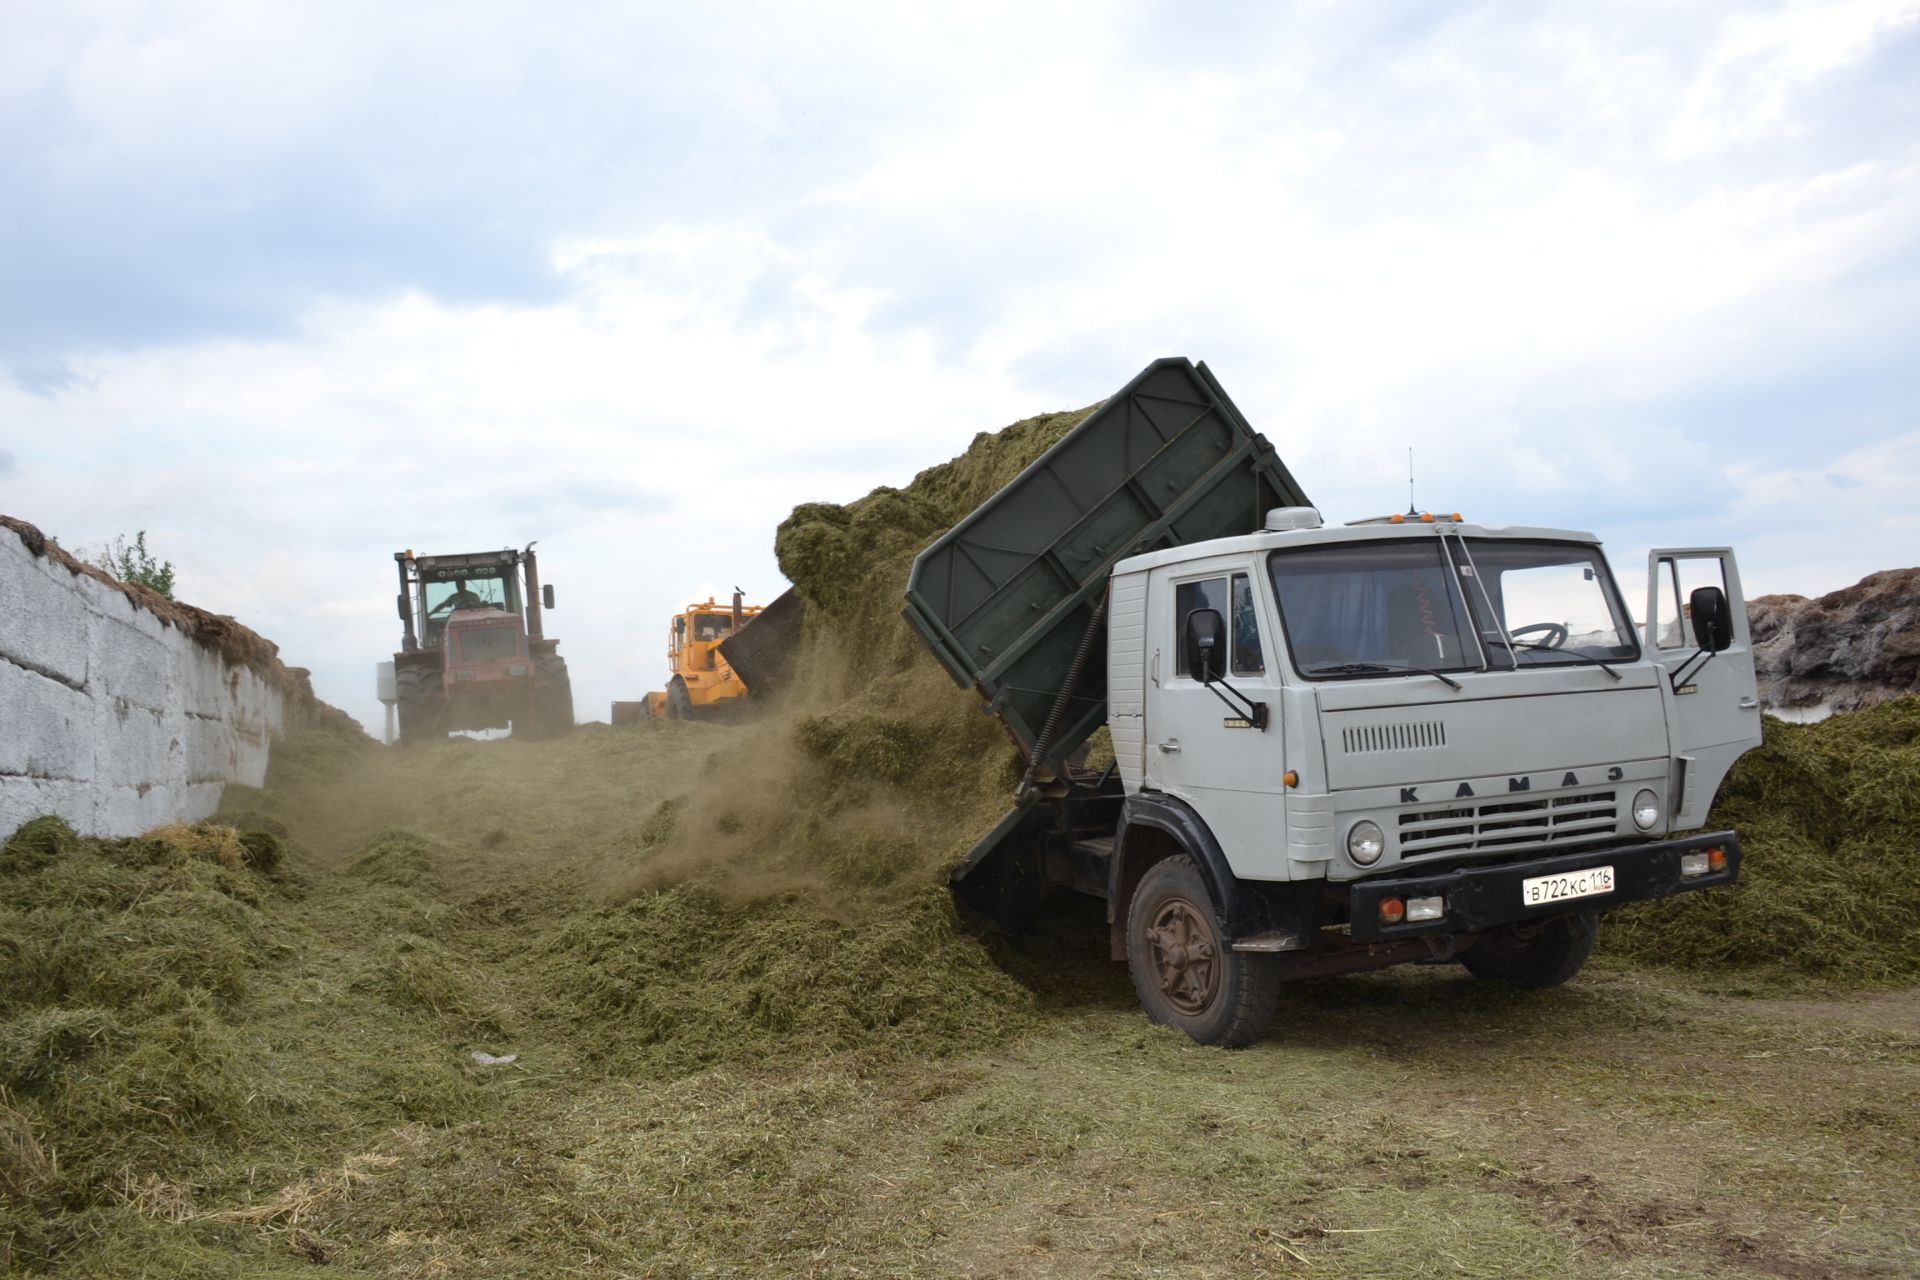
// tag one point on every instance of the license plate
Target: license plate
(1542, 891)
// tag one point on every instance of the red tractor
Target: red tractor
(473, 653)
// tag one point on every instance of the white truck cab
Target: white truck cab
(1462, 689)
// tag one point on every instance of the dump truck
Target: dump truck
(474, 653)
(1412, 738)
(704, 685)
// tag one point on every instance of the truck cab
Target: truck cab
(1466, 691)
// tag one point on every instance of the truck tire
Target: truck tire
(553, 696)
(421, 705)
(679, 701)
(1547, 958)
(1183, 972)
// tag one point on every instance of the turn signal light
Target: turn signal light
(1392, 911)
(1291, 778)
(1717, 859)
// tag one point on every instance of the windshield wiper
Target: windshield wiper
(1547, 648)
(1364, 668)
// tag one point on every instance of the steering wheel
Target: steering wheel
(1556, 633)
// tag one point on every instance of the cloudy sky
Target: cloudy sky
(292, 287)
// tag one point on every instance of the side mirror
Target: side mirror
(1712, 619)
(400, 602)
(546, 594)
(1206, 642)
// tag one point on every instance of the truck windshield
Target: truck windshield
(1392, 604)
(1555, 600)
(1365, 606)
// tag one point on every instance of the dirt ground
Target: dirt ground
(1414, 1123)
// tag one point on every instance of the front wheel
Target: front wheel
(1185, 975)
(679, 701)
(422, 706)
(1533, 957)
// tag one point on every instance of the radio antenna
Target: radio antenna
(1410, 507)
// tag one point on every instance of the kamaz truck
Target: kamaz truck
(1415, 738)
(474, 653)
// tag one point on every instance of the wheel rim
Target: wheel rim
(1186, 956)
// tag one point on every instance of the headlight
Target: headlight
(1646, 810)
(1365, 843)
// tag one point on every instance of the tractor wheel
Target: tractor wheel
(552, 697)
(679, 701)
(422, 705)
(1532, 957)
(1185, 974)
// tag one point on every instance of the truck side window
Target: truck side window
(1210, 593)
(1245, 622)
(1679, 579)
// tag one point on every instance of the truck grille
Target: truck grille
(1509, 823)
(1410, 736)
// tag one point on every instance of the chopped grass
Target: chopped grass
(1829, 889)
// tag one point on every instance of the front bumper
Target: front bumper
(1487, 897)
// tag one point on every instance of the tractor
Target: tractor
(473, 651)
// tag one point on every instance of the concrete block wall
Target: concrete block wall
(112, 718)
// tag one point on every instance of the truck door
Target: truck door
(1713, 714)
(1198, 747)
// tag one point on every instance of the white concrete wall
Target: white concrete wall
(109, 717)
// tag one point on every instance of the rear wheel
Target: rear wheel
(1183, 972)
(1536, 956)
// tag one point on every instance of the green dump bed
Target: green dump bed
(1005, 596)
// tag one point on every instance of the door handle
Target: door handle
(1749, 704)
(1171, 746)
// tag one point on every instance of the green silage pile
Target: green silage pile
(176, 1034)
(120, 1067)
(878, 773)
(1829, 891)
